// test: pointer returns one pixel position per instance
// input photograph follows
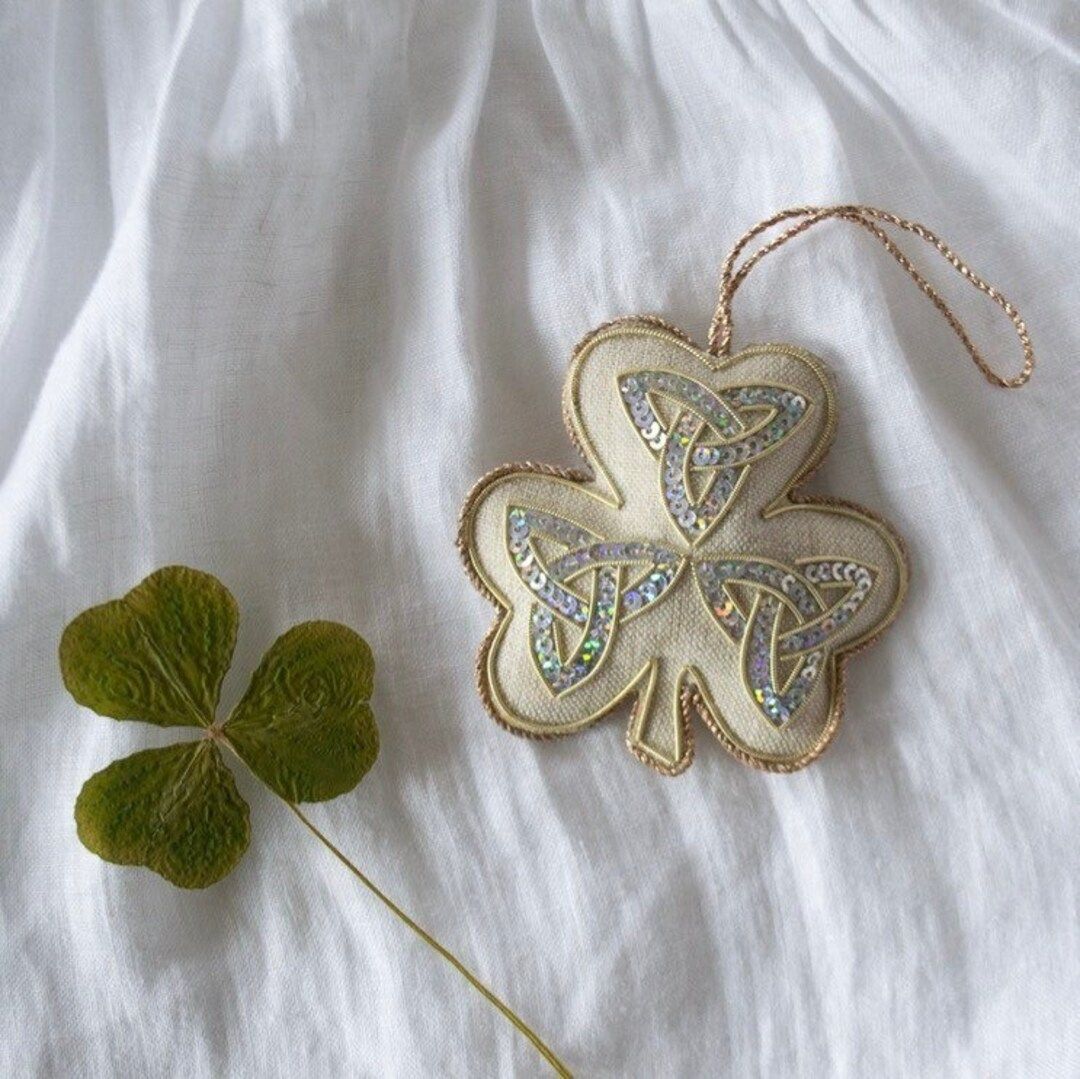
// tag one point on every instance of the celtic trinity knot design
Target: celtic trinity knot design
(694, 577)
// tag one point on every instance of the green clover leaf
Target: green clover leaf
(303, 726)
(159, 654)
(175, 810)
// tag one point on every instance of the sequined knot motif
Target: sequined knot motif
(681, 572)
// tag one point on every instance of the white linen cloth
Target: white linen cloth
(279, 281)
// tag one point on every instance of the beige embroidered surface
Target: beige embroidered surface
(684, 572)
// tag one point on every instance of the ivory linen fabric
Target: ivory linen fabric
(280, 281)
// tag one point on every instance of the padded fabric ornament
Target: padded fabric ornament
(684, 571)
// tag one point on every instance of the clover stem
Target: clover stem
(557, 1065)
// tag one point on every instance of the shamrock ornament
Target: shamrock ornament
(682, 572)
(159, 654)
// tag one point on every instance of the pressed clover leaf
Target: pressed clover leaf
(176, 810)
(159, 654)
(303, 726)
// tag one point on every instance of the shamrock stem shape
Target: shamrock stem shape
(304, 727)
(683, 571)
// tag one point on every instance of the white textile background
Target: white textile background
(279, 281)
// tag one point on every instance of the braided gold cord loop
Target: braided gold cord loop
(867, 217)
